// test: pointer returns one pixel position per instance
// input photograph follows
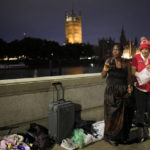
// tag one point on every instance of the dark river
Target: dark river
(13, 73)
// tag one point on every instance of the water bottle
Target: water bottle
(21, 147)
(27, 147)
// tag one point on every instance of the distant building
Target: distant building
(130, 50)
(73, 28)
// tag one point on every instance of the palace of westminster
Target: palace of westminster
(73, 32)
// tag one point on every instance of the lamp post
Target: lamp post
(51, 64)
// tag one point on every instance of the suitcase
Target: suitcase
(60, 116)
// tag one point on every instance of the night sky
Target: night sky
(100, 18)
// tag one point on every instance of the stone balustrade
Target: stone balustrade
(26, 100)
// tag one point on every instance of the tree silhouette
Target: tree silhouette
(38, 51)
(15, 49)
(3, 48)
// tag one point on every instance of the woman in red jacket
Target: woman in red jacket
(142, 92)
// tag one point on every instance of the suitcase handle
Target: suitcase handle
(61, 101)
(56, 84)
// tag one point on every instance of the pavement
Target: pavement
(99, 145)
(102, 145)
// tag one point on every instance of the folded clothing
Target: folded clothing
(69, 144)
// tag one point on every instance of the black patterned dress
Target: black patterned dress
(117, 115)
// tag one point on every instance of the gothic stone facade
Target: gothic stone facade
(73, 28)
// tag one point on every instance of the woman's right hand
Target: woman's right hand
(105, 69)
(106, 65)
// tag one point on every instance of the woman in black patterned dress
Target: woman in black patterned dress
(117, 115)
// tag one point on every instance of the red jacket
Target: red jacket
(139, 63)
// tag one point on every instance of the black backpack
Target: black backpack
(38, 135)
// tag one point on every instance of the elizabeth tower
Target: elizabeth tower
(73, 28)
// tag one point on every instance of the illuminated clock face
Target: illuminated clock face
(69, 19)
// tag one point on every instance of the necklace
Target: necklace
(118, 63)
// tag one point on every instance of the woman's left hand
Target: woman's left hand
(148, 67)
(129, 89)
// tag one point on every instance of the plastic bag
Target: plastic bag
(78, 137)
(143, 77)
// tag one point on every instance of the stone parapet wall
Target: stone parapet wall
(26, 100)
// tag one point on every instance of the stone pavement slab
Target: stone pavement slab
(102, 145)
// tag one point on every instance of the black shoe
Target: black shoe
(140, 124)
(114, 143)
(146, 124)
(145, 133)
